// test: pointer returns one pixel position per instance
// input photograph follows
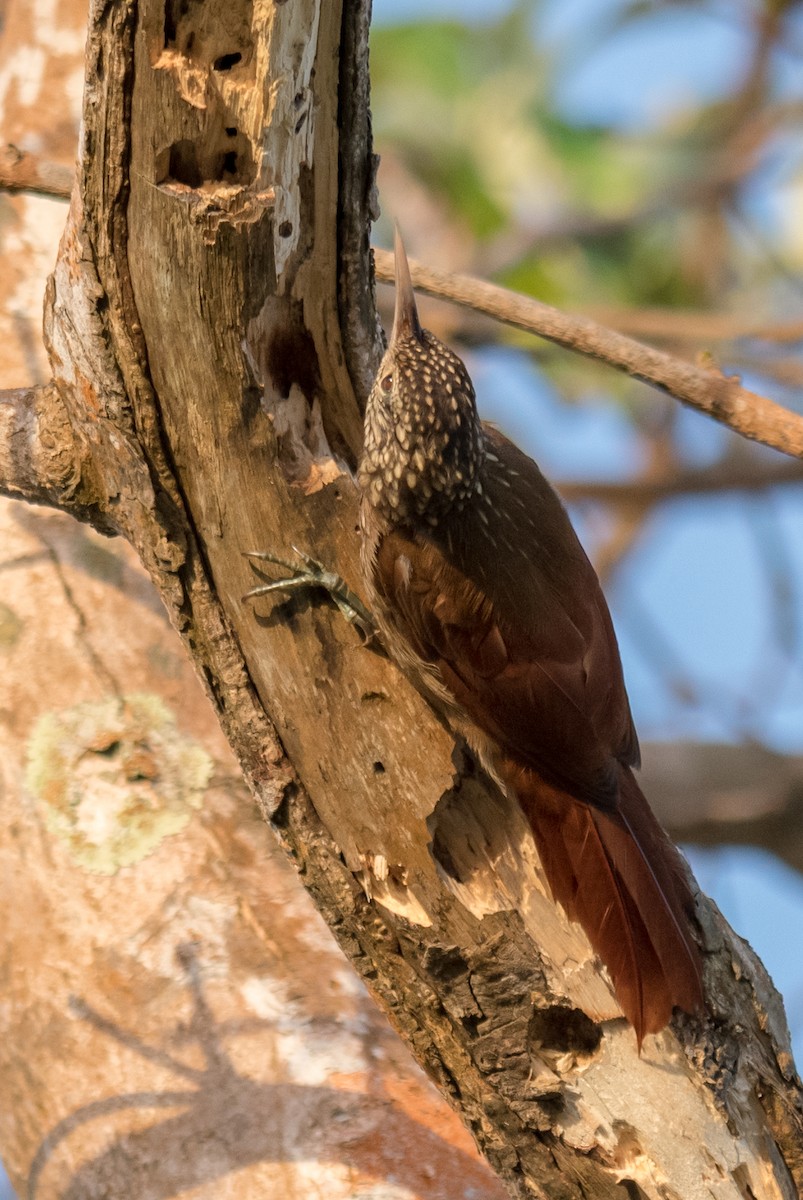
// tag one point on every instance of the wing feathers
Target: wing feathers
(531, 703)
(606, 871)
(545, 684)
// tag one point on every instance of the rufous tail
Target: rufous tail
(618, 875)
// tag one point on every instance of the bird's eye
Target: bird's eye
(386, 383)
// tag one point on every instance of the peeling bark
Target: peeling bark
(212, 297)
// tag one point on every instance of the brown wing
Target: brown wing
(505, 605)
(519, 630)
(620, 877)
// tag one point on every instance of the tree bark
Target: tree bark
(175, 1015)
(211, 328)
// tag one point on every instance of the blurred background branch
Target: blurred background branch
(21, 171)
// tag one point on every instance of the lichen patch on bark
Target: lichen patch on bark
(115, 778)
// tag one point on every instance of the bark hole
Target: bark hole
(440, 852)
(214, 36)
(634, 1192)
(563, 1030)
(285, 362)
(226, 61)
(208, 51)
(208, 161)
(182, 165)
(291, 357)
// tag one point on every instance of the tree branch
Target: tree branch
(24, 172)
(712, 795)
(647, 491)
(42, 460)
(709, 391)
(695, 325)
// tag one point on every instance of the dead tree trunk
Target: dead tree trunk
(211, 328)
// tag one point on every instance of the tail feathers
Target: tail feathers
(618, 875)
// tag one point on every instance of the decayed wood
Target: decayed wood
(206, 358)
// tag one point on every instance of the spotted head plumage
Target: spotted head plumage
(424, 447)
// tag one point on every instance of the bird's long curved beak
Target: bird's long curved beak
(405, 318)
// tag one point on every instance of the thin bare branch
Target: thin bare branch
(699, 326)
(644, 492)
(708, 390)
(24, 172)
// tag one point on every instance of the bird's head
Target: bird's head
(424, 446)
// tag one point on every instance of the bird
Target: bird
(484, 596)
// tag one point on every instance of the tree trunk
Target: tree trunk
(185, 1021)
(211, 329)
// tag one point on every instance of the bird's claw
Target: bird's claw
(313, 574)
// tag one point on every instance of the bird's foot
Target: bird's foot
(312, 574)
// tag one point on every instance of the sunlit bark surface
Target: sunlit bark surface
(209, 360)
